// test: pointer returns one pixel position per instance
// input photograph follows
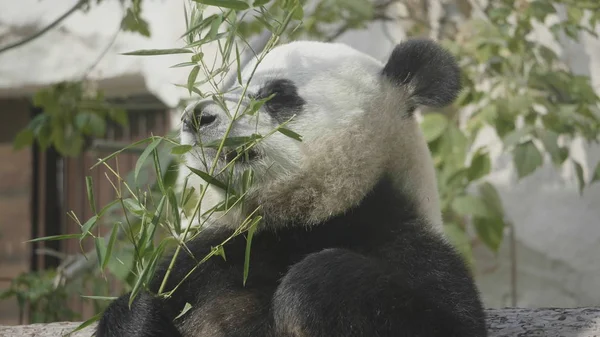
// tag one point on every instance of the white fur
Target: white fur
(354, 127)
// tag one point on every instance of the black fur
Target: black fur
(285, 103)
(374, 271)
(430, 71)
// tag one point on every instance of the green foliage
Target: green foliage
(71, 116)
(46, 301)
(133, 22)
(520, 89)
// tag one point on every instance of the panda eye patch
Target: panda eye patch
(285, 103)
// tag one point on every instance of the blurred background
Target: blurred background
(516, 155)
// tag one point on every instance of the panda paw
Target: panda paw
(145, 318)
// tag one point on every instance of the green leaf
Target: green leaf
(88, 322)
(122, 265)
(192, 78)
(480, 166)
(147, 238)
(526, 158)
(258, 3)
(186, 308)
(197, 57)
(153, 52)
(251, 231)
(490, 231)
(56, 237)
(220, 251)
(298, 13)
(290, 134)
(100, 250)
(550, 141)
(208, 178)
(89, 225)
(44, 135)
(181, 149)
(453, 145)
(111, 243)
(231, 141)
(133, 206)
(490, 196)
(147, 272)
(574, 14)
(596, 176)
(89, 186)
(469, 205)
(183, 64)
(100, 298)
(214, 27)
(233, 4)
(433, 125)
(24, 138)
(207, 39)
(514, 137)
(133, 23)
(255, 105)
(239, 67)
(459, 239)
(201, 25)
(144, 156)
(174, 210)
(580, 178)
(119, 115)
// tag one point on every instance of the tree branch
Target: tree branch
(46, 29)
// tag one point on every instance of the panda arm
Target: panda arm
(421, 288)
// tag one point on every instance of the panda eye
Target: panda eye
(285, 101)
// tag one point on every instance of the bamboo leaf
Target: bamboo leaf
(154, 52)
(290, 134)
(88, 322)
(144, 156)
(233, 4)
(208, 178)
(111, 243)
(100, 249)
(186, 308)
(89, 225)
(251, 231)
(192, 78)
(181, 149)
(56, 237)
(89, 185)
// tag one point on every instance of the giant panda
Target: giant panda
(350, 243)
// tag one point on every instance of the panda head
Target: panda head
(356, 119)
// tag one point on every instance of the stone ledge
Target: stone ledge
(508, 322)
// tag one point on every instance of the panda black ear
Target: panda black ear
(429, 72)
